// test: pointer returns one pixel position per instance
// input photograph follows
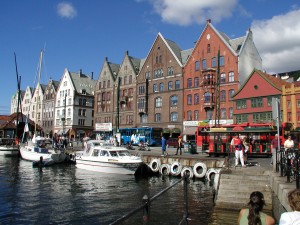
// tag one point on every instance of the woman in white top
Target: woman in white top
(292, 218)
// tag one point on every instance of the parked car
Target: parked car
(172, 142)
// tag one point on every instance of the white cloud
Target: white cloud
(66, 10)
(190, 11)
(278, 41)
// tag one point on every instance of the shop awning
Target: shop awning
(176, 131)
(166, 130)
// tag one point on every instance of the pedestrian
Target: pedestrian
(179, 145)
(236, 144)
(164, 146)
(293, 217)
(246, 144)
(289, 143)
(254, 215)
(274, 148)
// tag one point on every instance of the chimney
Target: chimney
(92, 75)
(80, 72)
(208, 21)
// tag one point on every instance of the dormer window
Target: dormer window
(83, 91)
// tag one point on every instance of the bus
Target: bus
(136, 134)
(216, 140)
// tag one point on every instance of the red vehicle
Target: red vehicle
(216, 140)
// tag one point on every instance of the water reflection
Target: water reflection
(63, 194)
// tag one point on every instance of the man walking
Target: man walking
(236, 144)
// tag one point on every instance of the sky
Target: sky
(79, 34)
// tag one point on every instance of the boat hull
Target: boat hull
(108, 167)
(9, 151)
(34, 154)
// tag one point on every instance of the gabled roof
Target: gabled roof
(171, 45)
(273, 81)
(114, 69)
(82, 81)
(135, 63)
(185, 54)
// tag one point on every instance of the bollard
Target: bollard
(146, 210)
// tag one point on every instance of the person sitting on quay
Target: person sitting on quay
(254, 215)
(293, 217)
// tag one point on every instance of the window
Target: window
(223, 96)
(241, 118)
(208, 48)
(161, 87)
(196, 115)
(157, 117)
(241, 104)
(223, 113)
(204, 64)
(230, 113)
(206, 97)
(288, 104)
(108, 83)
(177, 84)
(189, 115)
(231, 93)
(214, 62)
(223, 78)
(189, 99)
(197, 66)
(256, 102)
(141, 103)
(155, 89)
(196, 82)
(174, 116)
(158, 102)
(231, 76)
(189, 83)
(144, 118)
(196, 99)
(298, 103)
(141, 90)
(130, 79)
(174, 100)
(221, 60)
(170, 85)
(170, 71)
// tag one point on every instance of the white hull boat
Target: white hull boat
(103, 157)
(35, 149)
(32, 153)
(8, 147)
(9, 150)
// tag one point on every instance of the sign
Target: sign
(103, 126)
(190, 123)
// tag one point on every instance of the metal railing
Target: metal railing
(288, 164)
(146, 205)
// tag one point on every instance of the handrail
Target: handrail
(146, 204)
(289, 163)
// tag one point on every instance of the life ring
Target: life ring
(200, 169)
(188, 171)
(155, 165)
(176, 168)
(165, 169)
(210, 174)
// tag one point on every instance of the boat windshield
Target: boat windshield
(113, 154)
(124, 153)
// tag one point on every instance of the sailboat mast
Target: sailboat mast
(38, 90)
(19, 97)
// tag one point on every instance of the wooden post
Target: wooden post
(146, 210)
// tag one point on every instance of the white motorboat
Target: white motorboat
(34, 150)
(8, 147)
(104, 157)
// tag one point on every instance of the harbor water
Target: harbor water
(63, 194)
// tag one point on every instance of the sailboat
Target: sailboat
(36, 149)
